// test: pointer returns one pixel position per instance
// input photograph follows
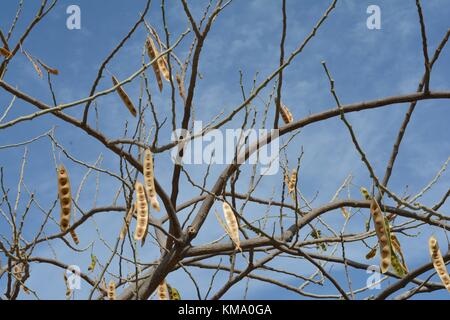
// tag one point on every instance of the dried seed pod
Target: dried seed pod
(232, 225)
(35, 65)
(142, 212)
(47, 68)
(292, 181)
(65, 198)
(365, 193)
(438, 262)
(153, 53)
(125, 98)
(286, 115)
(93, 263)
(68, 290)
(397, 266)
(112, 290)
(174, 294)
(18, 271)
(5, 52)
(180, 86)
(397, 248)
(163, 291)
(382, 234)
(74, 236)
(124, 230)
(371, 253)
(149, 178)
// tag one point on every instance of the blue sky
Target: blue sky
(366, 65)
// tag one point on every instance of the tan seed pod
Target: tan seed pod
(112, 290)
(5, 52)
(232, 225)
(149, 178)
(124, 96)
(438, 262)
(180, 86)
(398, 249)
(286, 115)
(18, 271)
(65, 198)
(382, 234)
(371, 253)
(124, 230)
(74, 236)
(48, 69)
(68, 290)
(174, 294)
(35, 65)
(163, 291)
(142, 212)
(365, 193)
(292, 181)
(153, 53)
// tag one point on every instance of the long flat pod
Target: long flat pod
(112, 290)
(149, 179)
(142, 212)
(65, 198)
(438, 262)
(232, 225)
(163, 291)
(152, 54)
(124, 96)
(124, 229)
(382, 234)
(286, 115)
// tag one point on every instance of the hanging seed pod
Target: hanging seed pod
(93, 263)
(142, 212)
(124, 96)
(68, 290)
(371, 253)
(112, 290)
(397, 248)
(438, 262)
(174, 294)
(124, 230)
(365, 193)
(163, 291)
(232, 225)
(180, 84)
(292, 182)
(152, 54)
(398, 267)
(149, 178)
(4, 52)
(65, 198)
(162, 61)
(74, 236)
(18, 271)
(47, 68)
(286, 115)
(382, 234)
